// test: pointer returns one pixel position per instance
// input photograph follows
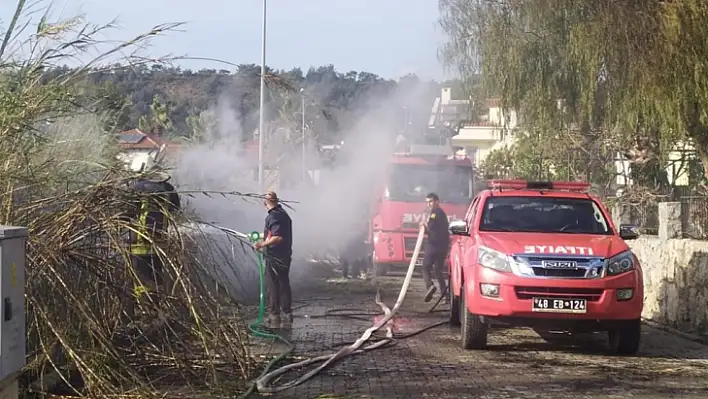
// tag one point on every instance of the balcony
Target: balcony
(480, 132)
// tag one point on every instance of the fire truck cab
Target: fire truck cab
(400, 207)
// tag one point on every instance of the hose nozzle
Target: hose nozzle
(254, 236)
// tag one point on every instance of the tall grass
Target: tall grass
(59, 178)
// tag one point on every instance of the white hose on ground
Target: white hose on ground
(355, 348)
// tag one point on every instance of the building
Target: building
(679, 161)
(477, 137)
(474, 138)
(135, 142)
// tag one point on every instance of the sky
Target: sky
(387, 37)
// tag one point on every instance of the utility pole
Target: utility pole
(304, 164)
(261, 116)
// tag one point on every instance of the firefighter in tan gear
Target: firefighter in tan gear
(155, 200)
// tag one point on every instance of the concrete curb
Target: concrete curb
(691, 337)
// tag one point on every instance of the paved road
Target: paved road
(518, 364)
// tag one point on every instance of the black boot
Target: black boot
(430, 293)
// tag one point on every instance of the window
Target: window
(411, 183)
(472, 212)
(544, 215)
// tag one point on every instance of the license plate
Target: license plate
(554, 305)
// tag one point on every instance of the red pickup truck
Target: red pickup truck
(544, 255)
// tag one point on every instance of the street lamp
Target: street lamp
(304, 165)
(405, 119)
(261, 116)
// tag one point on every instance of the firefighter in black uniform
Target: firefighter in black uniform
(436, 247)
(155, 199)
(278, 245)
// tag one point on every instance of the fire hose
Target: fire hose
(262, 381)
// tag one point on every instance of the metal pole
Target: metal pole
(261, 116)
(304, 164)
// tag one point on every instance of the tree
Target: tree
(202, 125)
(617, 75)
(537, 155)
(335, 100)
(499, 164)
(158, 120)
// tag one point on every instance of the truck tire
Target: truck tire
(474, 330)
(454, 307)
(625, 340)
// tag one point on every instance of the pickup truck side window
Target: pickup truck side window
(472, 212)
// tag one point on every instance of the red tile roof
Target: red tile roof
(136, 139)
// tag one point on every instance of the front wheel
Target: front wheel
(624, 340)
(474, 330)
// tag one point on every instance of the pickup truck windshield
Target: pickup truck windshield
(411, 183)
(543, 215)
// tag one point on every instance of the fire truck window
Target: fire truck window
(411, 183)
(543, 215)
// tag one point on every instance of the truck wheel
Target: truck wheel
(380, 270)
(454, 307)
(625, 340)
(474, 331)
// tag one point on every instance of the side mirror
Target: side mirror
(628, 232)
(459, 228)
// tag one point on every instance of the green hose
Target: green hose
(255, 328)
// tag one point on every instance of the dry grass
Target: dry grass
(58, 177)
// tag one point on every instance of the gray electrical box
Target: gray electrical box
(12, 300)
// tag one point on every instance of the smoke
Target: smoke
(217, 164)
(329, 208)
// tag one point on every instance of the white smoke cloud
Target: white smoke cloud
(326, 216)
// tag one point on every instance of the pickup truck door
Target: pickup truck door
(465, 242)
(461, 244)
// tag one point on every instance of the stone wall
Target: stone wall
(675, 273)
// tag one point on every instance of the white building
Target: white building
(136, 143)
(475, 139)
(678, 164)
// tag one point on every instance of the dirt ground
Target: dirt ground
(518, 363)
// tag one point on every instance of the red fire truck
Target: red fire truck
(544, 255)
(401, 206)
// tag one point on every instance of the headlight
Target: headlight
(492, 259)
(620, 263)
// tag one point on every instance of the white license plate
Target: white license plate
(555, 305)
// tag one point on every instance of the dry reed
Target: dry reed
(60, 179)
